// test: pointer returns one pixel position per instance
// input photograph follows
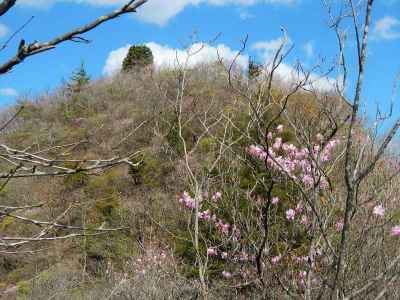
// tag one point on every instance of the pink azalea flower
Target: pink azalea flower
(216, 196)
(339, 225)
(290, 214)
(187, 201)
(205, 215)
(243, 256)
(299, 208)
(278, 144)
(274, 200)
(211, 252)
(379, 210)
(323, 183)
(302, 274)
(395, 230)
(226, 274)
(269, 135)
(275, 260)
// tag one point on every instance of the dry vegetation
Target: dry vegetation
(154, 257)
(199, 183)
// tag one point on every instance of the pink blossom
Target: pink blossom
(308, 181)
(290, 214)
(187, 201)
(274, 200)
(379, 210)
(269, 135)
(339, 225)
(279, 128)
(211, 252)
(223, 227)
(299, 208)
(395, 230)
(243, 256)
(257, 152)
(226, 274)
(216, 196)
(275, 260)
(278, 143)
(205, 215)
(323, 183)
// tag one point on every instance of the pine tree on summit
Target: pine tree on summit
(138, 57)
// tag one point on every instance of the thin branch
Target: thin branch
(25, 51)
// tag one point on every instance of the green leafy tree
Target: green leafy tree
(79, 79)
(138, 57)
(254, 70)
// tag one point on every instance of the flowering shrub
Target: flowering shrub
(233, 241)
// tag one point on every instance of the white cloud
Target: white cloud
(309, 49)
(267, 49)
(3, 30)
(165, 56)
(8, 92)
(159, 11)
(387, 28)
(114, 60)
(287, 73)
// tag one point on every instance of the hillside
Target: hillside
(260, 219)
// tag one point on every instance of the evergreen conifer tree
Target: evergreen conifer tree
(79, 79)
(138, 56)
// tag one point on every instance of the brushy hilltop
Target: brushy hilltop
(237, 191)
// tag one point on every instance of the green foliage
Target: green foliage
(24, 289)
(108, 206)
(174, 140)
(79, 79)
(6, 222)
(138, 57)
(154, 170)
(254, 69)
(74, 181)
(117, 247)
(206, 144)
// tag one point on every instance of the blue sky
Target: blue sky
(167, 26)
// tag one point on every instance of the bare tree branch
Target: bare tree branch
(5, 6)
(34, 48)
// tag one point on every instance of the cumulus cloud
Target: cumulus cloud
(8, 92)
(3, 30)
(165, 56)
(387, 28)
(287, 73)
(168, 57)
(159, 11)
(267, 49)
